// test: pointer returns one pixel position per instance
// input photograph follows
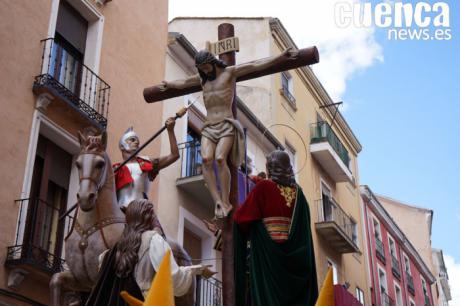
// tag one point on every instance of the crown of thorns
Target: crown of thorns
(206, 57)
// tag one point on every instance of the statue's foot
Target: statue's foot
(222, 210)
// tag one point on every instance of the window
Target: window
(47, 200)
(398, 295)
(407, 265)
(192, 152)
(392, 247)
(360, 295)
(335, 276)
(69, 46)
(385, 299)
(328, 204)
(193, 245)
(287, 87)
(382, 280)
(425, 291)
(377, 232)
(354, 231)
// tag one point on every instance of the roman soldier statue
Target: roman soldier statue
(133, 180)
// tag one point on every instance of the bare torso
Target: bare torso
(218, 96)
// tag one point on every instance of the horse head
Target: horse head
(92, 163)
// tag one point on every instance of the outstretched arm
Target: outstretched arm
(265, 63)
(165, 161)
(193, 80)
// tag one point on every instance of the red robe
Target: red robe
(123, 176)
(266, 203)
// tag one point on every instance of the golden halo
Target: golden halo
(301, 139)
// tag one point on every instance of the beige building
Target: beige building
(66, 65)
(325, 157)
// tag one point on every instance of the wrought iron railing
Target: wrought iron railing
(410, 283)
(191, 161)
(34, 256)
(379, 249)
(43, 235)
(322, 131)
(395, 267)
(386, 299)
(71, 80)
(192, 165)
(208, 292)
(330, 211)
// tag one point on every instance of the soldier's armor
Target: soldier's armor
(138, 189)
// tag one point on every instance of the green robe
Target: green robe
(280, 274)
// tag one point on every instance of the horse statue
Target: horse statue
(98, 224)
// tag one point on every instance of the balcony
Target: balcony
(68, 80)
(386, 299)
(40, 248)
(329, 151)
(379, 249)
(344, 298)
(410, 284)
(336, 227)
(208, 292)
(191, 180)
(395, 267)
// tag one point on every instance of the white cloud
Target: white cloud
(453, 270)
(343, 51)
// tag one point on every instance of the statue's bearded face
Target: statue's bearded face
(209, 70)
(133, 143)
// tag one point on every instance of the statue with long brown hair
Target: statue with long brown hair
(132, 263)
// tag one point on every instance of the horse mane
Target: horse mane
(92, 141)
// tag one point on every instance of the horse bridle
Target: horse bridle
(103, 176)
(99, 225)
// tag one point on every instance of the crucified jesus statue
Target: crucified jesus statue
(221, 134)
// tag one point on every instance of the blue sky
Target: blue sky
(402, 100)
(405, 111)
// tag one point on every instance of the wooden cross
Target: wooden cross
(307, 56)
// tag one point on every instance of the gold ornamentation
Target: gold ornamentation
(288, 194)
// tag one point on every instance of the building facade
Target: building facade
(66, 65)
(399, 274)
(416, 222)
(324, 152)
(442, 288)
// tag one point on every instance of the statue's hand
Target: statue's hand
(203, 270)
(170, 123)
(163, 86)
(290, 53)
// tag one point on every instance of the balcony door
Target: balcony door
(193, 160)
(328, 205)
(67, 53)
(48, 199)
